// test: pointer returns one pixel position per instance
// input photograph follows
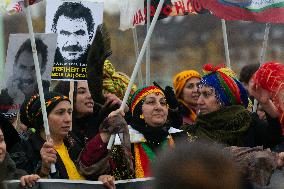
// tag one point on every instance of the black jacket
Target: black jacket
(8, 170)
(26, 155)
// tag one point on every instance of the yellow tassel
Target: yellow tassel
(171, 142)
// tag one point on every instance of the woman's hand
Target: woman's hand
(113, 101)
(48, 156)
(263, 96)
(280, 159)
(29, 180)
(108, 181)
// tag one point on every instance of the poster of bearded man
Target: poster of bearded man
(75, 23)
(20, 77)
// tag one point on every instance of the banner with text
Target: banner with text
(134, 12)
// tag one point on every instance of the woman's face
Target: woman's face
(84, 103)
(190, 91)
(60, 119)
(155, 110)
(2, 147)
(207, 101)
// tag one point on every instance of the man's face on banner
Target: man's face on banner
(24, 72)
(73, 38)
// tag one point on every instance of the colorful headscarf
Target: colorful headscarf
(31, 114)
(181, 78)
(115, 82)
(140, 94)
(228, 88)
(270, 76)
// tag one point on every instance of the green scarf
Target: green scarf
(227, 125)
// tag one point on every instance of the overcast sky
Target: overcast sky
(111, 6)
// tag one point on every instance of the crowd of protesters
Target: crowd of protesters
(244, 145)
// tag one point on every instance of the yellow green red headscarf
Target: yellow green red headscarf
(141, 93)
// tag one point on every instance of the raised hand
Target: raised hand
(48, 156)
(263, 96)
(170, 96)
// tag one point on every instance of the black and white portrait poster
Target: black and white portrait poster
(75, 22)
(20, 77)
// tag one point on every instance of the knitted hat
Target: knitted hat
(228, 88)
(139, 96)
(31, 114)
(181, 78)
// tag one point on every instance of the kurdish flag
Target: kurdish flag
(249, 10)
(13, 6)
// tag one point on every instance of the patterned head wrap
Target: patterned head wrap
(115, 82)
(270, 76)
(228, 88)
(138, 97)
(31, 114)
(181, 78)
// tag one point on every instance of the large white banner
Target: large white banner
(20, 77)
(75, 22)
(134, 12)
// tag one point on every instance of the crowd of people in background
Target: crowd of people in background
(205, 132)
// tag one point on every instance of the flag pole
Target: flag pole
(262, 56)
(264, 43)
(148, 58)
(226, 46)
(71, 97)
(38, 75)
(136, 48)
(138, 63)
(2, 59)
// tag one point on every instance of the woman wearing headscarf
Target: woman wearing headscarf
(151, 127)
(36, 154)
(186, 90)
(223, 115)
(267, 86)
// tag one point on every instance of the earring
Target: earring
(141, 116)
